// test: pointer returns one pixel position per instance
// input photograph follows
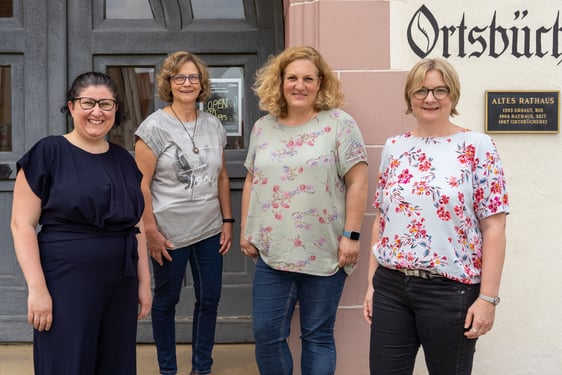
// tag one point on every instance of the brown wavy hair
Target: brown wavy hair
(172, 65)
(414, 81)
(269, 81)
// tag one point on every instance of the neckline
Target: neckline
(86, 151)
(195, 149)
(308, 121)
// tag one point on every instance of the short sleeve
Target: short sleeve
(490, 192)
(351, 147)
(153, 134)
(38, 164)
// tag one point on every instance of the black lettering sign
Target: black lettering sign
(494, 39)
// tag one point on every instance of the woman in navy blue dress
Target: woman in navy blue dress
(87, 268)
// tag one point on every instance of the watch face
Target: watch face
(354, 236)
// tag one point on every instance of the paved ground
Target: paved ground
(232, 359)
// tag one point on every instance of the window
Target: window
(227, 102)
(6, 8)
(218, 9)
(5, 109)
(136, 88)
(127, 9)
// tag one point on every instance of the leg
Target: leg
(118, 333)
(167, 287)
(80, 276)
(206, 266)
(394, 340)
(319, 297)
(441, 306)
(274, 298)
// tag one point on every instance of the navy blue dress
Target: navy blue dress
(88, 248)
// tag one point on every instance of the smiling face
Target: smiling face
(187, 92)
(301, 84)
(95, 123)
(429, 109)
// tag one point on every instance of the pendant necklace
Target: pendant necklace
(195, 149)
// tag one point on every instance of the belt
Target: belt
(423, 274)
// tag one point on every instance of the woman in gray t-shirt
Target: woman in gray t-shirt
(188, 216)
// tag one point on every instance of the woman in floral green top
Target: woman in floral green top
(439, 237)
(302, 206)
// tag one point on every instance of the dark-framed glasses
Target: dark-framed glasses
(179, 79)
(89, 103)
(438, 93)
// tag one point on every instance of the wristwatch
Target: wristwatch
(351, 235)
(493, 300)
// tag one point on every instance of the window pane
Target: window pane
(128, 9)
(136, 89)
(6, 8)
(227, 102)
(5, 109)
(217, 9)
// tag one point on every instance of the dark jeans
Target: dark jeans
(206, 267)
(409, 311)
(275, 294)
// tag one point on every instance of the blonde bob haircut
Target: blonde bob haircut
(171, 65)
(416, 76)
(269, 81)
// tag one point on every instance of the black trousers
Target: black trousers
(409, 311)
(94, 309)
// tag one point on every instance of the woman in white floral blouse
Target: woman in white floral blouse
(302, 207)
(438, 241)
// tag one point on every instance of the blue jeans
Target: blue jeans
(409, 311)
(275, 294)
(206, 266)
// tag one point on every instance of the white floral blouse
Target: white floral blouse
(432, 193)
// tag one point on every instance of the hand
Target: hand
(145, 300)
(479, 318)
(158, 246)
(247, 248)
(40, 309)
(368, 306)
(226, 238)
(348, 252)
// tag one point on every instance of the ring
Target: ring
(474, 330)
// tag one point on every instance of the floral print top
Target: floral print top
(432, 193)
(296, 213)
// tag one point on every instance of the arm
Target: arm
(143, 274)
(481, 314)
(373, 264)
(157, 244)
(355, 202)
(226, 208)
(245, 245)
(26, 210)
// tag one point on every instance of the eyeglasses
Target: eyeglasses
(89, 103)
(179, 79)
(439, 93)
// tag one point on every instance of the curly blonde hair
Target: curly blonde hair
(172, 65)
(416, 76)
(269, 81)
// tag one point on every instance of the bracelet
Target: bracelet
(230, 220)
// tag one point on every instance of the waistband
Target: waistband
(130, 253)
(423, 274)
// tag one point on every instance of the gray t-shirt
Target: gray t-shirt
(184, 186)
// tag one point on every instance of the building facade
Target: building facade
(497, 46)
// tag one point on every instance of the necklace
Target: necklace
(195, 149)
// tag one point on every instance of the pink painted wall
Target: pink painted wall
(354, 38)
